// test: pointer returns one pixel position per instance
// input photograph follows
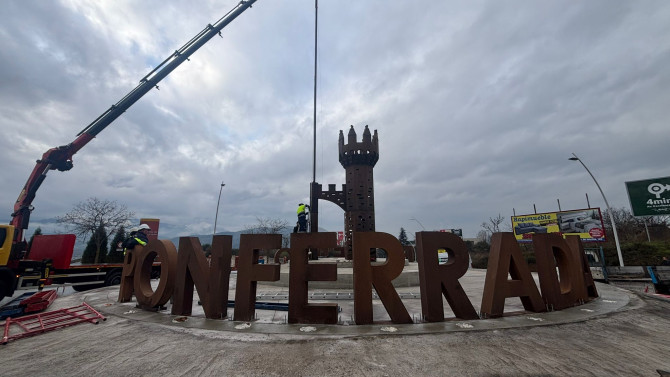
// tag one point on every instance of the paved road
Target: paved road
(631, 341)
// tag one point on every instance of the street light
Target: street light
(422, 227)
(609, 210)
(217, 210)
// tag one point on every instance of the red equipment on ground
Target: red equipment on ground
(40, 323)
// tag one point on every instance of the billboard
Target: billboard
(585, 223)
(649, 197)
(153, 224)
(458, 232)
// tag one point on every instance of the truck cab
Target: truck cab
(7, 279)
(48, 262)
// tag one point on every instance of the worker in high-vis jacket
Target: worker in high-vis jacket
(302, 217)
(139, 237)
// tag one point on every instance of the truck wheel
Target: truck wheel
(113, 278)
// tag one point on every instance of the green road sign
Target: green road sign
(649, 197)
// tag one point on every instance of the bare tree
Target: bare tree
(629, 227)
(88, 216)
(266, 225)
(493, 225)
(484, 236)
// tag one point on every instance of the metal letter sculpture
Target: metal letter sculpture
(301, 272)
(249, 272)
(552, 252)
(212, 282)
(436, 280)
(505, 258)
(167, 254)
(367, 276)
(575, 243)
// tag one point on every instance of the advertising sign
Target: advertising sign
(585, 223)
(458, 232)
(649, 197)
(153, 224)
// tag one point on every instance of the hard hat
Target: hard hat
(143, 226)
(134, 229)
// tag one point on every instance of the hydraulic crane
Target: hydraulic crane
(60, 158)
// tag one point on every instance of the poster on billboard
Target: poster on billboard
(585, 223)
(649, 197)
(458, 232)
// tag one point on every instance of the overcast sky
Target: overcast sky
(478, 106)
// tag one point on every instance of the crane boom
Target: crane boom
(60, 158)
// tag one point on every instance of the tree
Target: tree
(631, 228)
(95, 252)
(266, 225)
(96, 217)
(403, 237)
(116, 251)
(483, 236)
(492, 226)
(37, 232)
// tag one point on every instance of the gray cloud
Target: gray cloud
(478, 105)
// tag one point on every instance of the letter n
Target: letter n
(505, 259)
(367, 276)
(436, 280)
(301, 272)
(249, 272)
(210, 281)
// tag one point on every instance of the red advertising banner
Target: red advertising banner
(153, 224)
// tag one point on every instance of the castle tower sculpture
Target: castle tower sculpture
(357, 197)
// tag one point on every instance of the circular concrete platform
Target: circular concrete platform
(274, 321)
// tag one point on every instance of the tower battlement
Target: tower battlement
(365, 152)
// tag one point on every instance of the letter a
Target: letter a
(505, 258)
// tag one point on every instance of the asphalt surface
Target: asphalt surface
(622, 333)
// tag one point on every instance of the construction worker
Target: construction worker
(138, 236)
(303, 209)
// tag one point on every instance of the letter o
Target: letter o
(167, 255)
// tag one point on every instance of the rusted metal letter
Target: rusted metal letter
(128, 274)
(167, 254)
(436, 280)
(590, 291)
(367, 276)
(210, 281)
(551, 252)
(301, 272)
(505, 258)
(249, 272)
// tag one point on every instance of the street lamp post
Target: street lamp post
(422, 227)
(609, 210)
(217, 210)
